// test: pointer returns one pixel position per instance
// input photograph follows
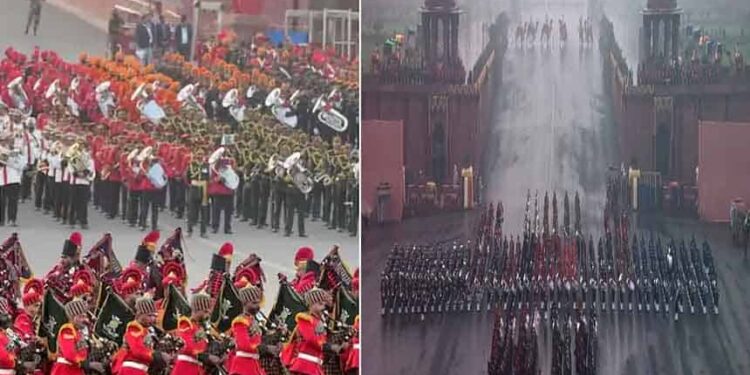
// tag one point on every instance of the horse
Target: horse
(520, 33)
(546, 32)
(563, 30)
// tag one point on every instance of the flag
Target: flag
(288, 305)
(113, 318)
(53, 317)
(227, 307)
(346, 307)
(175, 306)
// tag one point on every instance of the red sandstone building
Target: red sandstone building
(658, 118)
(442, 108)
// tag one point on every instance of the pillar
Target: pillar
(667, 38)
(647, 37)
(454, 36)
(426, 35)
(446, 37)
(656, 26)
(676, 36)
(435, 37)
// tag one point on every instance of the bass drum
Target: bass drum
(157, 176)
(229, 178)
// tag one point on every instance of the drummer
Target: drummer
(221, 193)
(150, 188)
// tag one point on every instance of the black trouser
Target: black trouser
(261, 200)
(26, 184)
(177, 197)
(327, 203)
(111, 198)
(35, 14)
(9, 202)
(339, 210)
(294, 201)
(240, 195)
(149, 198)
(79, 199)
(161, 197)
(98, 194)
(196, 209)
(63, 201)
(39, 187)
(134, 201)
(49, 193)
(248, 203)
(353, 210)
(316, 199)
(278, 197)
(124, 201)
(221, 203)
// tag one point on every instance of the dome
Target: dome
(661, 4)
(438, 4)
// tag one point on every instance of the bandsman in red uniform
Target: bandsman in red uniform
(26, 321)
(248, 337)
(7, 348)
(220, 266)
(306, 276)
(303, 354)
(350, 356)
(60, 278)
(72, 347)
(192, 358)
(138, 355)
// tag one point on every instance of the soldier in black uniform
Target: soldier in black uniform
(263, 193)
(197, 177)
(294, 201)
(278, 191)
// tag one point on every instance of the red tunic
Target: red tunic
(215, 187)
(70, 357)
(247, 338)
(138, 353)
(305, 283)
(196, 342)
(7, 358)
(350, 357)
(304, 354)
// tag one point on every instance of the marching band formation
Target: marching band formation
(180, 135)
(90, 315)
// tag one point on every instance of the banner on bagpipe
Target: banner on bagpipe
(173, 249)
(175, 306)
(113, 318)
(288, 304)
(227, 307)
(102, 259)
(53, 317)
(334, 272)
(346, 307)
(13, 267)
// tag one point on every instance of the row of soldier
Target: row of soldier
(197, 164)
(89, 315)
(545, 270)
(516, 347)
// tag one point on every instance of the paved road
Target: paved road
(42, 237)
(551, 132)
(58, 30)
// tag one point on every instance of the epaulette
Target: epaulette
(136, 328)
(184, 323)
(303, 316)
(67, 327)
(241, 320)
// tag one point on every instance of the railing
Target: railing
(431, 198)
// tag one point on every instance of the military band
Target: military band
(89, 315)
(134, 142)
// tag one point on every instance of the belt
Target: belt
(135, 365)
(310, 358)
(242, 354)
(7, 371)
(356, 346)
(64, 361)
(187, 358)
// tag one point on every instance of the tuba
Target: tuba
(300, 175)
(284, 112)
(147, 106)
(186, 97)
(231, 101)
(73, 107)
(105, 99)
(330, 116)
(19, 96)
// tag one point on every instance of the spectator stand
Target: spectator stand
(336, 28)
